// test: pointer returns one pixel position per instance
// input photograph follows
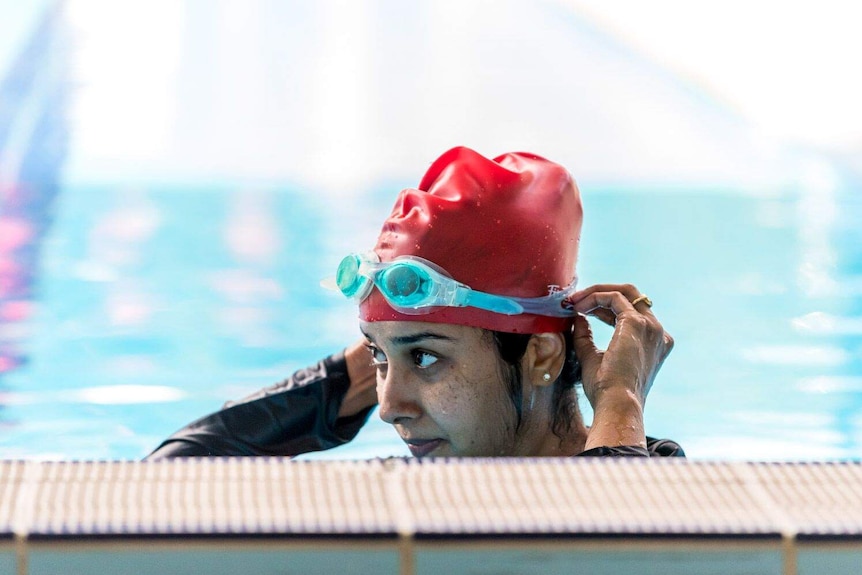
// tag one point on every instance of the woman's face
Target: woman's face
(441, 387)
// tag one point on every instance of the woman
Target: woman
(475, 332)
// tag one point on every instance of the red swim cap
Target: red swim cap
(507, 226)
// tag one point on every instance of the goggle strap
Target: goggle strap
(494, 303)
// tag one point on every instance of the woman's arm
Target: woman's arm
(317, 408)
(617, 380)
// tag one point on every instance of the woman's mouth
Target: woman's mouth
(422, 447)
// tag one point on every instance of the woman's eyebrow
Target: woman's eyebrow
(416, 337)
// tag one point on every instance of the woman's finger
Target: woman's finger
(668, 344)
(614, 301)
(626, 289)
(605, 316)
(586, 350)
(629, 291)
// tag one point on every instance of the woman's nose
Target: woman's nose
(397, 398)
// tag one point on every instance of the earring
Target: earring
(547, 376)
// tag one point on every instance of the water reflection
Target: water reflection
(252, 241)
(829, 277)
(33, 140)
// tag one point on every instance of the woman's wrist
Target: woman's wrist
(617, 420)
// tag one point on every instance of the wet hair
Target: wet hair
(511, 348)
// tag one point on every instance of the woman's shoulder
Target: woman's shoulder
(664, 448)
(654, 448)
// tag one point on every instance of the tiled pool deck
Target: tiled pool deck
(401, 516)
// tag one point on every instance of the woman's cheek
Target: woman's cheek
(446, 400)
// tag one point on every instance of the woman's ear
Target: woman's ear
(544, 358)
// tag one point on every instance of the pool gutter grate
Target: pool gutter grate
(494, 497)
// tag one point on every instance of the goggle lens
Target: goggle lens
(348, 278)
(405, 285)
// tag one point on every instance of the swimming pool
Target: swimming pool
(132, 307)
(155, 306)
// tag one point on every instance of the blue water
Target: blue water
(129, 308)
(181, 319)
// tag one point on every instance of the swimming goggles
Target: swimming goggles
(413, 286)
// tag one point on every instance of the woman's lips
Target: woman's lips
(422, 447)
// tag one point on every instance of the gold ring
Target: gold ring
(643, 299)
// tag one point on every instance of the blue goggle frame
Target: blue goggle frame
(414, 286)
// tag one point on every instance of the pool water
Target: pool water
(156, 305)
(130, 308)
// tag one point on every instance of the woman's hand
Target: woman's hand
(617, 381)
(362, 392)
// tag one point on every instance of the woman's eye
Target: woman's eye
(378, 358)
(423, 359)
